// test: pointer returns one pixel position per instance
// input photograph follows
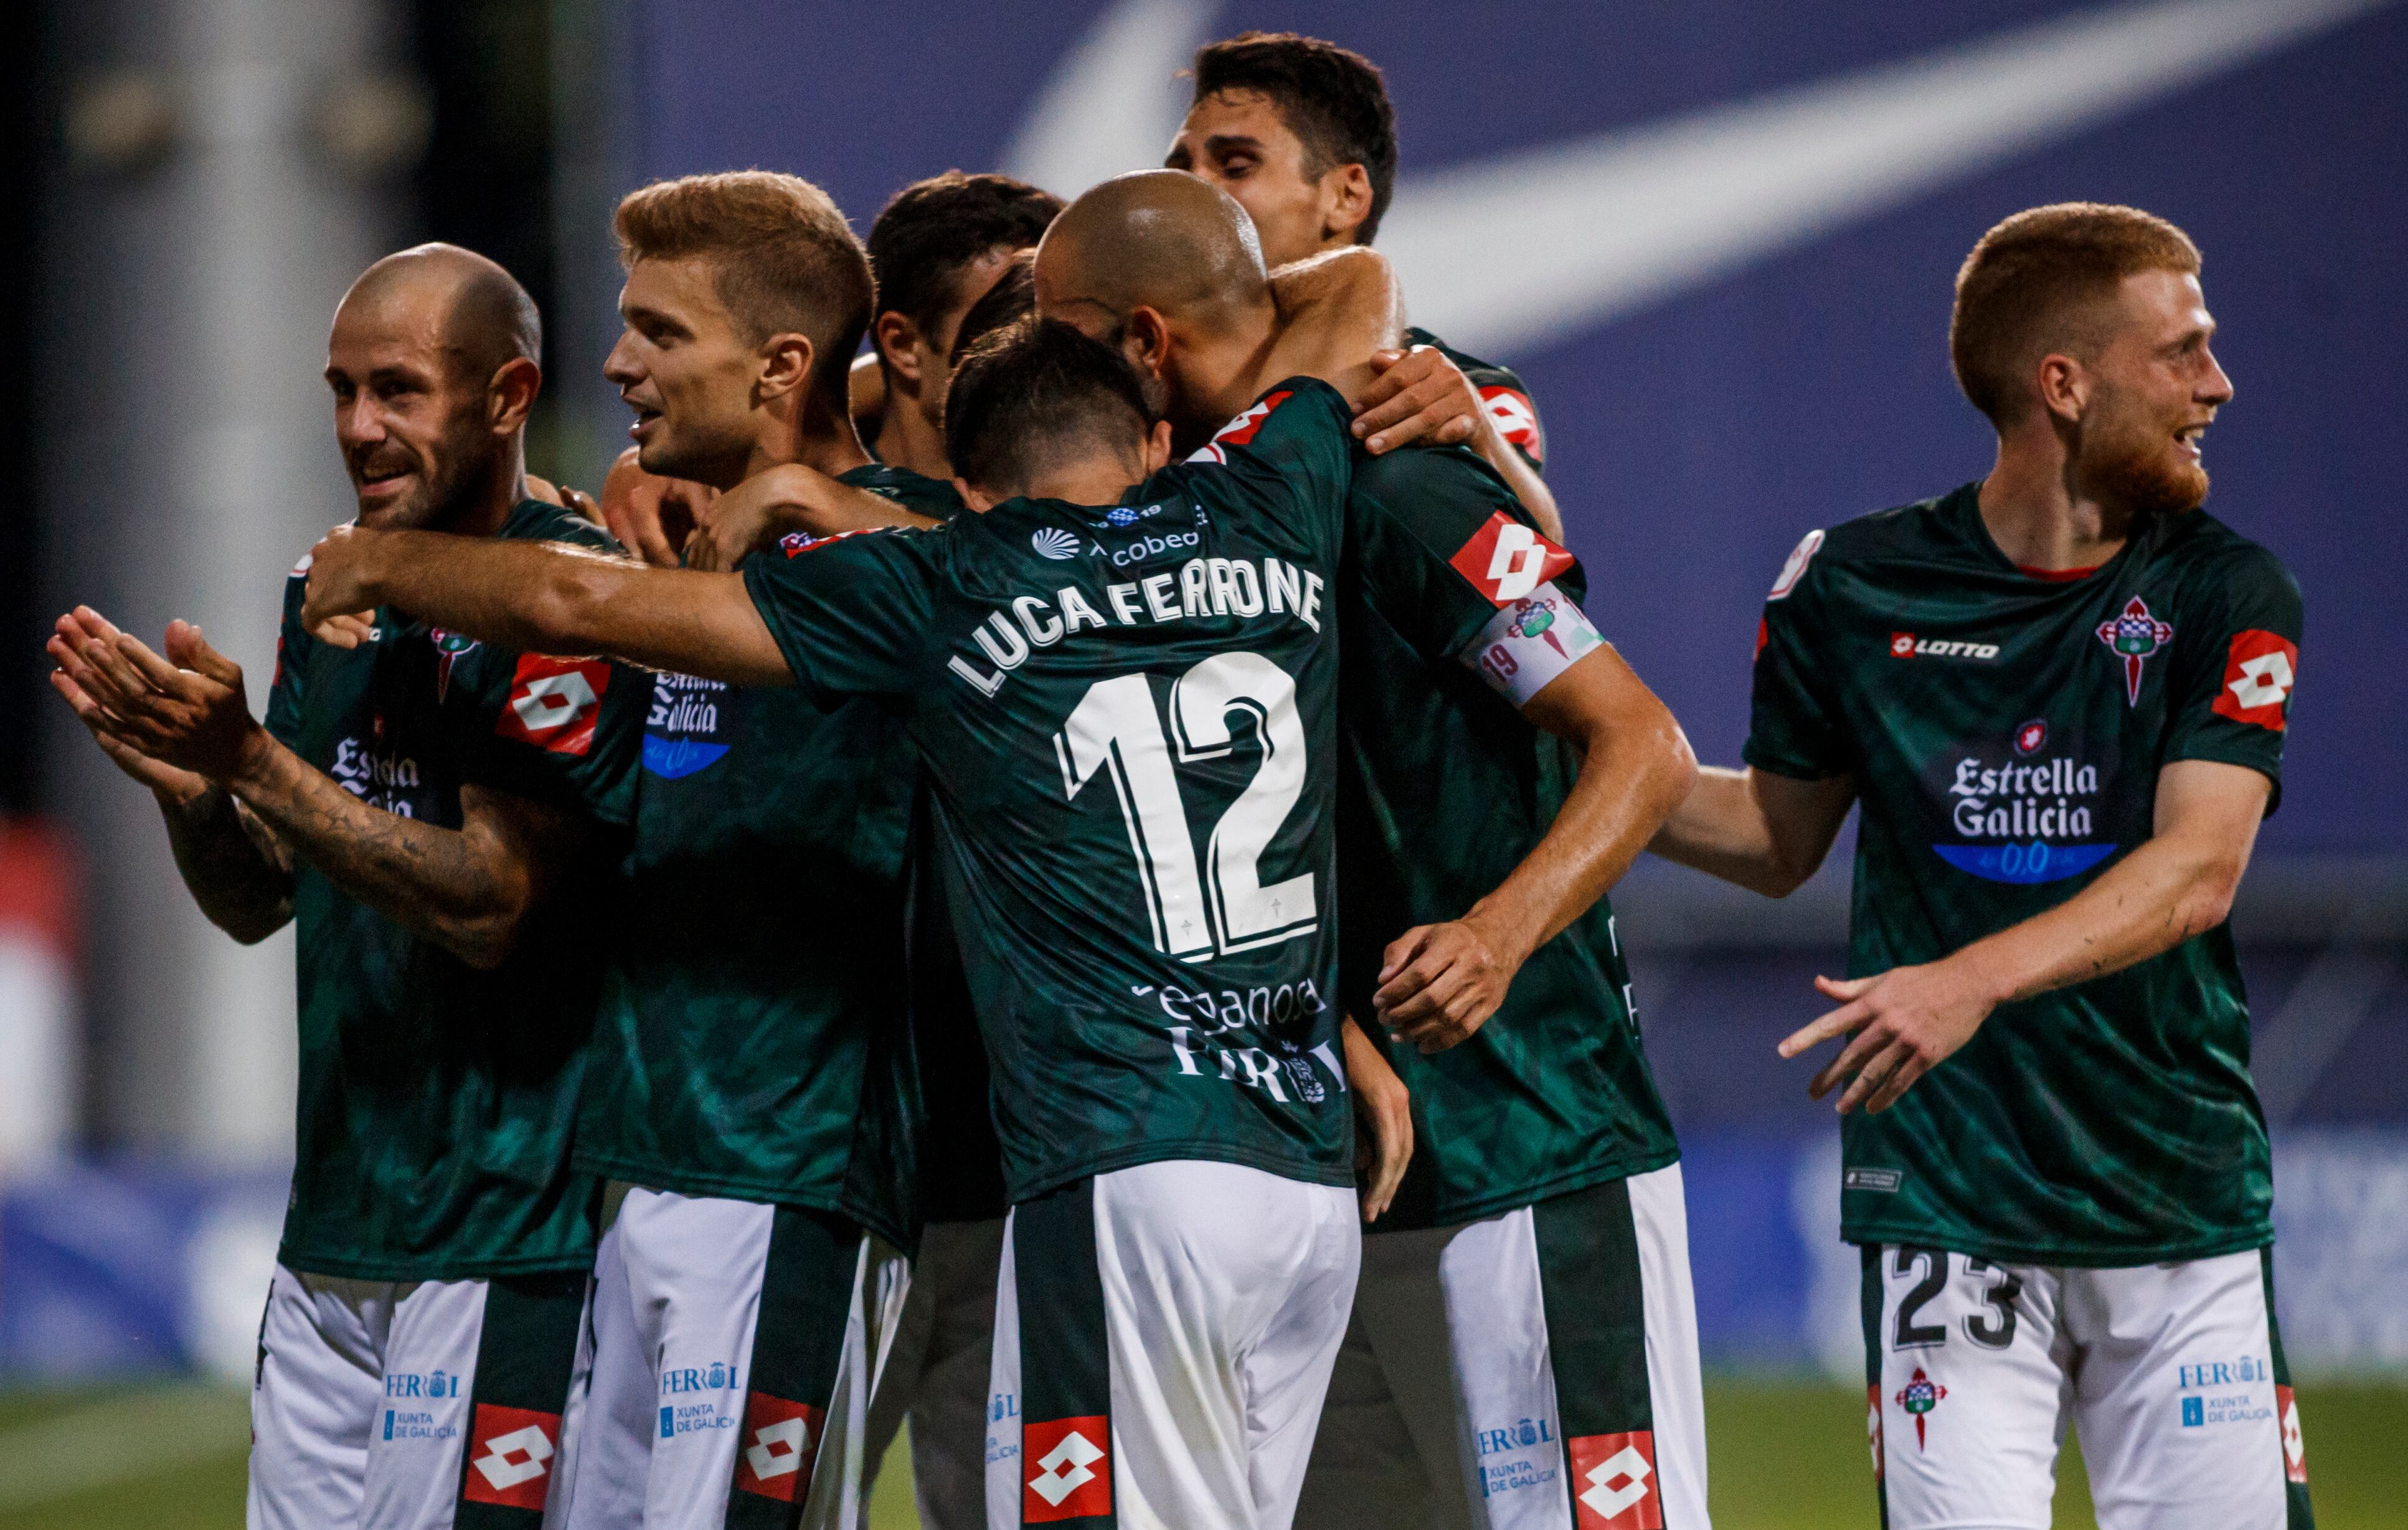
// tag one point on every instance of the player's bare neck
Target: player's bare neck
(821, 438)
(2040, 521)
(906, 439)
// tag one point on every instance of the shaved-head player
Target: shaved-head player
(413, 803)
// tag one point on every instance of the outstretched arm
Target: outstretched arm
(1421, 396)
(1335, 310)
(1766, 833)
(470, 888)
(1440, 982)
(550, 598)
(2178, 883)
(755, 513)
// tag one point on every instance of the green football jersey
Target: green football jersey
(747, 1045)
(2005, 731)
(438, 1101)
(1501, 393)
(1128, 719)
(1446, 789)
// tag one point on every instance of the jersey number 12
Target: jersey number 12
(1115, 727)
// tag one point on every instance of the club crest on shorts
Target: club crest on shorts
(1067, 1468)
(1614, 1481)
(2136, 635)
(1920, 1396)
(782, 1441)
(509, 1456)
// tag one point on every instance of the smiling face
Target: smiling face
(2154, 387)
(1239, 141)
(411, 418)
(686, 369)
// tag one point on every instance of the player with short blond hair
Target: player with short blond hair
(2060, 695)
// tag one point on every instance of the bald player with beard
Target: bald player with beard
(1502, 766)
(414, 803)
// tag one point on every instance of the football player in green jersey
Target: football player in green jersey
(415, 803)
(2059, 695)
(1301, 133)
(747, 1099)
(1169, 1091)
(1496, 781)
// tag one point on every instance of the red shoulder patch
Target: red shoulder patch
(1507, 559)
(2258, 669)
(1241, 430)
(1516, 418)
(553, 703)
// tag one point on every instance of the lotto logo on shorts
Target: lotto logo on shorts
(2257, 671)
(1614, 1481)
(1508, 559)
(1516, 420)
(509, 1456)
(780, 1440)
(1068, 1467)
(2295, 1445)
(553, 703)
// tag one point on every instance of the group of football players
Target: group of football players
(1020, 853)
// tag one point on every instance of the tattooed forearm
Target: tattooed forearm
(466, 888)
(238, 871)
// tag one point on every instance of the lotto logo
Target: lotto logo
(553, 703)
(1508, 559)
(1614, 1481)
(1070, 1467)
(509, 1456)
(1516, 420)
(780, 1440)
(2258, 672)
(1873, 1427)
(2295, 1446)
(1240, 431)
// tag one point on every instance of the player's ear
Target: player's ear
(785, 364)
(1145, 340)
(509, 396)
(2065, 386)
(896, 335)
(1157, 448)
(977, 499)
(1345, 200)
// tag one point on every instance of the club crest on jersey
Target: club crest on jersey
(1067, 1466)
(1507, 559)
(509, 1456)
(448, 648)
(1516, 420)
(2136, 635)
(1240, 431)
(1614, 1481)
(553, 703)
(2259, 668)
(1919, 1397)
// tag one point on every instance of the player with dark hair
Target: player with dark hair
(1301, 133)
(415, 804)
(1170, 1097)
(750, 1097)
(935, 248)
(2060, 696)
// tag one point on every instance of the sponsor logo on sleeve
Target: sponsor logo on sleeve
(781, 1439)
(2258, 667)
(2134, 635)
(1516, 419)
(1507, 559)
(1795, 569)
(553, 703)
(1240, 431)
(1614, 1481)
(1067, 1468)
(509, 1456)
